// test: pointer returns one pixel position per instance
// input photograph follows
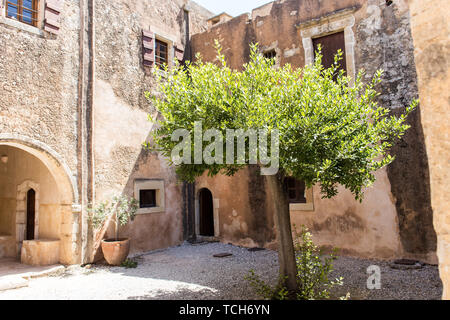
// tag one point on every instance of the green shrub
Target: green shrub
(129, 264)
(313, 274)
(313, 268)
(266, 291)
(124, 208)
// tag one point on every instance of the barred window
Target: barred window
(161, 53)
(295, 190)
(25, 11)
(270, 54)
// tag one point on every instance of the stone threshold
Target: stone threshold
(21, 280)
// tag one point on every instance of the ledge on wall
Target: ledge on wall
(330, 16)
(21, 26)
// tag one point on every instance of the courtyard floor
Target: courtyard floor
(190, 272)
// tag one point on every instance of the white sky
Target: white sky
(232, 7)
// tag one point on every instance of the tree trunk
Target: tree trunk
(286, 253)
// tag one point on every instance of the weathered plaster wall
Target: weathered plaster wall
(397, 206)
(120, 110)
(245, 210)
(431, 33)
(368, 229)
(386, 35)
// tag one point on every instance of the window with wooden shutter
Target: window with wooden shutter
(53, 9)
(179, 52)
(148, 48)
(330, 45)
(295, 190)
(25, 11)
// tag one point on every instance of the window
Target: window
(161, 53)
(147, 198)
(23, 10)
(150, 196)
(335, 23)
(270, 54)
(295, 190)
(330, 45)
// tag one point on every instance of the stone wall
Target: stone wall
(121, 109)
(39, 83)
(38, 114)
(430, 30)
(78, 97)
(395, 218)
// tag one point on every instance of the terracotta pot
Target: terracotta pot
(115, 251)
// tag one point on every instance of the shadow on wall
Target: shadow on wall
(153, 230)
(410, 185)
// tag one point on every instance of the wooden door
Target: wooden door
(31, 214)
(206, 213)
(330, 45)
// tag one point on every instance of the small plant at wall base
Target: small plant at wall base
(124, 210)
(313, 274)
(129, 264)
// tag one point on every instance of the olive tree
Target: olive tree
(330, 130)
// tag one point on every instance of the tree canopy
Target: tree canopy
(332, 131)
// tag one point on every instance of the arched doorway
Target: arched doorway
(31, 214)
(38, 203)
(206, 213)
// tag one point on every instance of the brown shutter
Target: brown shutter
(179, 52)
(148, 48)
(52, 14)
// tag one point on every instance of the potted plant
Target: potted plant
(124, 209)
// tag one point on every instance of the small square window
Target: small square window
(270, 54)
(147, 198)
(299, 196)
(296, 190)
(150, 195)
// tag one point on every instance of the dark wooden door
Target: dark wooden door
(31, 213)
(206, 213)
(330, 45)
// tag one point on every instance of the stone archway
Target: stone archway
(68, 208)
(51, 159)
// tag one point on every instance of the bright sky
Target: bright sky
(232, 7)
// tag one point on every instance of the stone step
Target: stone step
(21, 280)
(12, 282)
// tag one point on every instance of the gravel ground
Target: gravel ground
(190, 272)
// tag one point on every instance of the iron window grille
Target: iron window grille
(270, 54)
(161, 53)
